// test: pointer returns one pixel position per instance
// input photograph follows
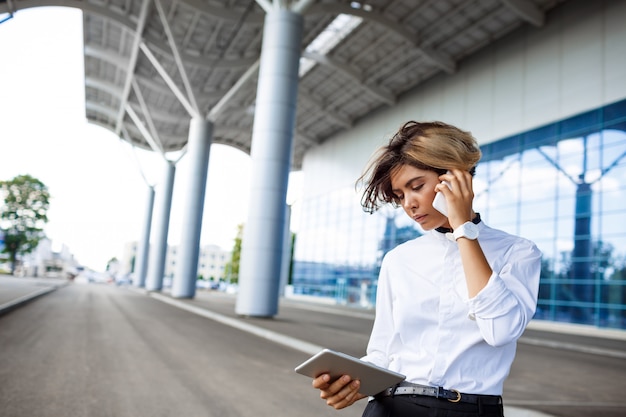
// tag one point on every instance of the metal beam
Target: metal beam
(351, 72)
(102, 85)
(221, 105)
(526, 10)
(132, 63)
(169, 81)
(308, 97)
(146, 113)
(265, 5)
(179, 62)
(302, 6)
(305, 138)
(437, 58)
(144, 131)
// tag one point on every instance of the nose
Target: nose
(409, 203)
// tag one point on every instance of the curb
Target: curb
(523, 412)
(25, 299)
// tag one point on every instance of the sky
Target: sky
(96, 181)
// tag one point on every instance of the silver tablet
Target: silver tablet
(373, 378)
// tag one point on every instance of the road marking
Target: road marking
(573, 347)
(567, 403)
(312, 349)
(281, 339)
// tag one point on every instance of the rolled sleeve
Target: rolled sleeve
(492, 301)
(507, 303)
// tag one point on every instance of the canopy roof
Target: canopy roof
(151, 65)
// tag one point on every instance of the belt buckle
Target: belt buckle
(458, 396)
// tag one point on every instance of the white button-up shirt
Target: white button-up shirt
(427, 327)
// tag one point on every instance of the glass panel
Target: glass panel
(562, 186)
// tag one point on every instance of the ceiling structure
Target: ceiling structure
(151, 65)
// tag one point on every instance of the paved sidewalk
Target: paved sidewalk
(16, 291)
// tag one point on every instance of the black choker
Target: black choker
(444, 230)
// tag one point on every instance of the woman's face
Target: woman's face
(414, 189)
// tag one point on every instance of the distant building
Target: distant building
(129, 258)
(47, 263)
(211, 261)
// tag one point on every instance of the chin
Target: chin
(443, 223)
(430, 226)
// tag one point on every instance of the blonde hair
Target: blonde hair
(433, 146)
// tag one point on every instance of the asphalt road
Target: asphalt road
(97, 350)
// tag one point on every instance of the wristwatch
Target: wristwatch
(467, 230)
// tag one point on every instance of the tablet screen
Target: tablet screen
(373, 378)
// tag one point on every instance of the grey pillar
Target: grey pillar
(158, 250)
(198, 148)
(144, 244)
(272, 143)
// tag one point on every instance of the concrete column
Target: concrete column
(158, 250)
(144, 244)
(272, 143)
(198, 149)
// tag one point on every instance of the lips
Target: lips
(419, 218)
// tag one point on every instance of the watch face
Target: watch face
(471, 231)
(468, 230)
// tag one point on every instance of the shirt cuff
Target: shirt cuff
(493, 301)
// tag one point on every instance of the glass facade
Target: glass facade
(562, 186)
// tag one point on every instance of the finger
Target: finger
(442, 188)
(336, 391)
(339, 383)
(463, 178)
(461, 184)
(321, 382)
(346, 397)
(464, 181)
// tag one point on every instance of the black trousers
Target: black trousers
(421, 406)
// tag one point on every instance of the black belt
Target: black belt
(439, 392)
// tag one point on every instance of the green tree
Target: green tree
(232, 267)
(23, 215)
(111, 262)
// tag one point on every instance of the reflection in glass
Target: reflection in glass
(561, 186)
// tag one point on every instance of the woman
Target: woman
(450, 304)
